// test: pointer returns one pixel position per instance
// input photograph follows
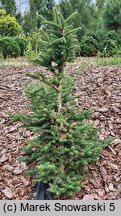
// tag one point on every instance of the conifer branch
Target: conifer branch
(72, 31)
(44, 43)
(41, 77)
(57, 41)
(45, 35)
(71, 17)
(41, 17)
(51, 24)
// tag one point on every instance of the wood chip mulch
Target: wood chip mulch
(100, 90)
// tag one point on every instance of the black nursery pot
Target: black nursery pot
(40, 192)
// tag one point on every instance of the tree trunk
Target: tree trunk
(59, 97)
(61, 74)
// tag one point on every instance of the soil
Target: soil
(99, 89)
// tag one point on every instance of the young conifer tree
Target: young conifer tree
(65, 141)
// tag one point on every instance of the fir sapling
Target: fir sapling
(65, 141)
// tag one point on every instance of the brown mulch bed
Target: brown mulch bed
(99, 89)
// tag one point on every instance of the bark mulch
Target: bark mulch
(100, 90)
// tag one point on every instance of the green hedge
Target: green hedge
(89, 46)
(108, 46)
(22, 44)
(9, 47)
(111, 44)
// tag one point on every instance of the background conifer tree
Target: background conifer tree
(43, 7)
(9, 6)
(65, 141)
(111, 15)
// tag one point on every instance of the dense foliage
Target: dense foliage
(83, 16)
(108, 45)
(9, 47)
(112, 15)
(22, 44)
(43, 7)
(65, 141)
(8, 25)
(111, 44)
(9, 6)
(89, 45)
